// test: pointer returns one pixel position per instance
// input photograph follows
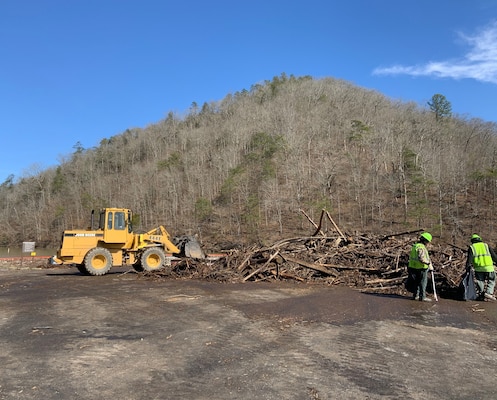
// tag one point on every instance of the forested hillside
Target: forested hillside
(239, 170)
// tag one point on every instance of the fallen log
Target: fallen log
(286, 275)
(351, 268)
(261, 268)
(318, 228)
(379, 288)
(316, 267)
(401, 234)
(336, 226)
(391, 280)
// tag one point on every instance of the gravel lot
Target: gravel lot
(123, 336)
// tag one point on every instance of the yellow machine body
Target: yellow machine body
(114, 243)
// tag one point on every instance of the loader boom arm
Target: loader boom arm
(157, 235)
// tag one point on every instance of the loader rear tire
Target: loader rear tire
(153, 259)
(98, 261)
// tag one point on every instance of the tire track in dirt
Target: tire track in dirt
(363, 361)
(224, 353)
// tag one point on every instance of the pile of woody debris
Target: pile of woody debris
(370, 263)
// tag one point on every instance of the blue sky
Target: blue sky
(84, 70)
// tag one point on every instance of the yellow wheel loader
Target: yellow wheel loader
(113, 243)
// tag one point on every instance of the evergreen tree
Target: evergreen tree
(440, 106)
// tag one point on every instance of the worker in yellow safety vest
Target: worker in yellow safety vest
(419, 265)
(482, 258)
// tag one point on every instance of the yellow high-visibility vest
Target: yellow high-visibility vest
(414, 261)
(482, 260)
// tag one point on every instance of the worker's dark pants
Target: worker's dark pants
(420, 277)
(485, 277)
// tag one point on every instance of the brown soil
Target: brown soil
(126, 336)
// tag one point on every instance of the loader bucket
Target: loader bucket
(189, 246)
(193, 249)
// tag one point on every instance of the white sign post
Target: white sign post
(28, 247)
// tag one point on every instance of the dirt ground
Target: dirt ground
(124, 336)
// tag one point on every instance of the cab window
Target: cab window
(109, 220)
(119, 222)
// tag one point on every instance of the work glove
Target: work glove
(430, 268)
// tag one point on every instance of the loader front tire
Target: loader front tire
(153, 259)
(98, 261)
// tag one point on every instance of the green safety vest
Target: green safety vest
(414, 261)
(482, 260)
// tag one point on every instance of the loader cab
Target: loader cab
(116, 224)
